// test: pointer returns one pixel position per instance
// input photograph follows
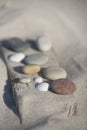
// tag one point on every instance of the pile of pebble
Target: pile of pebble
(52, 78)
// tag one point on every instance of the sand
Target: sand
(65, 23)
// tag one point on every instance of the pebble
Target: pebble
(31, 69)
(53, 73)
(63, 87)
(43, 86)
(38, 59)
(17, 45)
(38, 79)
(18, 57)
(43, 43)
(24, 80)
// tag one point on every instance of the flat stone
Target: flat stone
(17, 45)
(38, 79)
(63, 87)
(24, 80)
(43, 86)
(53, 73)
(43, 43)
(31, 69)
(38, 59)
(18, 57)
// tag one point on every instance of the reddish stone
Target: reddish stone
(63, 86)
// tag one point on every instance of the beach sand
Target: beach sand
(65, 22)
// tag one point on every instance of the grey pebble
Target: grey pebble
(38, 59)
(53, 73)
(16, 44)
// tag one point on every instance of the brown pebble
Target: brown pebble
(31, 69)
(63, 86)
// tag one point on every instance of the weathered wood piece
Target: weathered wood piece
(31, 103)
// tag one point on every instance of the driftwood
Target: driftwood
(30, 102)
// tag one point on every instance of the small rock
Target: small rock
(53, 73)
(43, 43)
(31, 69)
(43, 86)
(38, 59)
(18, 57)
(38, 80)
(63, 87)
(17, 45)
(24, 80)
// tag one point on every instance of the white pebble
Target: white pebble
(43, 43)
(38, 80)
(24, 80)
(18, 57)
(43, 86)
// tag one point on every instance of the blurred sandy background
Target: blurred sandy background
(65, 22)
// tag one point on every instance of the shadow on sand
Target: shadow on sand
(8, 95)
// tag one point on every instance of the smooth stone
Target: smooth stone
(38, 59)
(43, 86)
(17, 45)
(24, 80)
(63, 87)
(31, 69)
(17, 57)
(43, 43)
(38, 79)
(53, 73)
